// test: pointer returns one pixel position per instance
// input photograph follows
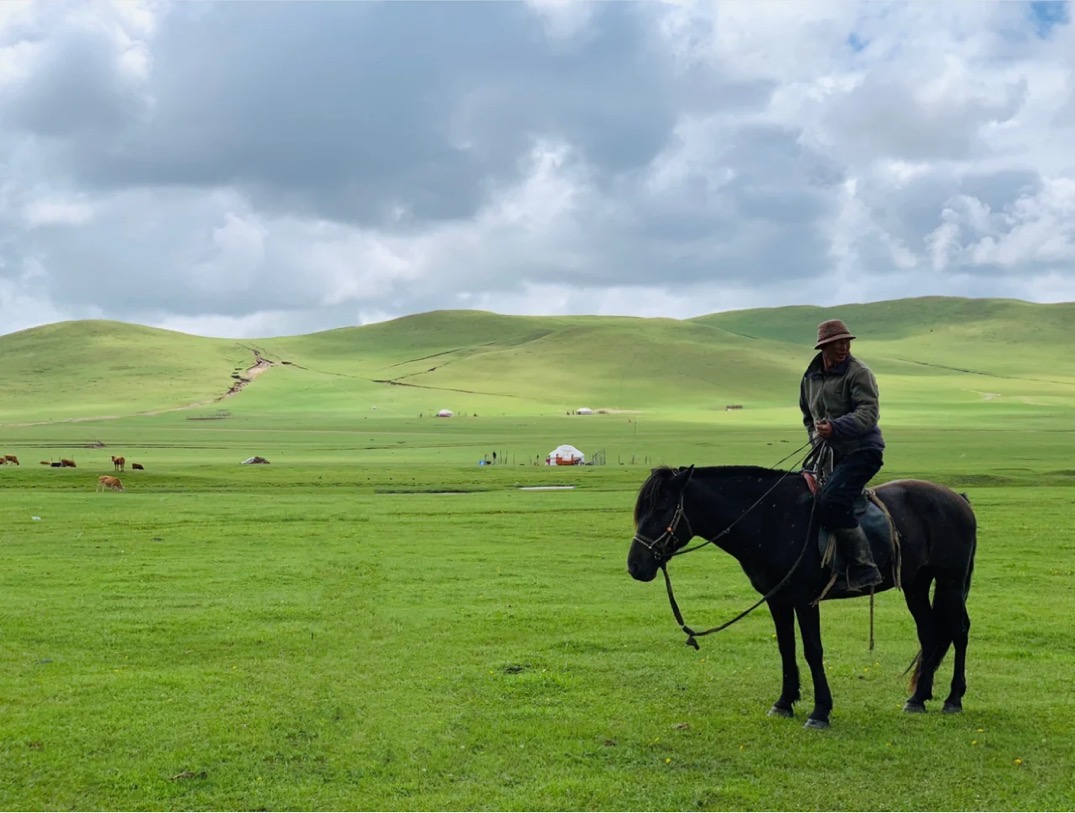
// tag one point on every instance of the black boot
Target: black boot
(862, 573)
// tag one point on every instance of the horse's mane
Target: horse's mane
(651, 489)
(654, 485)
(760, 472)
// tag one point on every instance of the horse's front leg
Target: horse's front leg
(784, 620)
(810, 629)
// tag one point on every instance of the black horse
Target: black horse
(764, 518)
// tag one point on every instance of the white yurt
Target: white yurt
(565, 455)
(584, 411)
(445, 413)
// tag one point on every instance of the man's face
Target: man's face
(836, 352)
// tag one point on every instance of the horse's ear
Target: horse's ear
(690, 472)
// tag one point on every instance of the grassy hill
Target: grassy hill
(101, 368)
(1000, 358)
(991, 336)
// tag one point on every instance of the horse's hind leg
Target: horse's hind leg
(917, 597)
(949, 615)
(953, 704)
(784, 620)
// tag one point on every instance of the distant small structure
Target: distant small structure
(584, 411)
(445, 413)
(253, 460)
(565, 455)
(730, 407)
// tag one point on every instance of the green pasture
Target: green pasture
(381, 629)
(374, 621)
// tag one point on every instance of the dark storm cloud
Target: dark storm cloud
(78, 89)
(357, 111)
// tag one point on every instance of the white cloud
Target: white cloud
(232, 257)
(17, 61)
(245, 169)
(1035, 229)
(50, 212)
(563, 19)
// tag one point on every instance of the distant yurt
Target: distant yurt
(445, 413)
(565, 455)
(584, 411)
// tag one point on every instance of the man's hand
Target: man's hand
(824, 429)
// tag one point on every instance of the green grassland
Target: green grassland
(375, 621)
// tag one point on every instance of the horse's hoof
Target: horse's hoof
(914, 708)
(817, 725)
(776, 711)
(953, 708)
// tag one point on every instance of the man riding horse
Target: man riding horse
(839, 402)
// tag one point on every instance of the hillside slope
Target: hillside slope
(97, 367)
(930, 355)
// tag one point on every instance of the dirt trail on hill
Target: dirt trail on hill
(261, 364)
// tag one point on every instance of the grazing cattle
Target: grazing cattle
(56, 465)
(45, 463)
(67, 464)
(10, 458)
(138, 466)
(110, 482)
(118, 462)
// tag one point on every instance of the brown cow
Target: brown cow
(45, 463)
(108, 481)
(118, 462)
(138, 466)
(67, 464)
(10, 458)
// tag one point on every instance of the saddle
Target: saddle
(874, 519)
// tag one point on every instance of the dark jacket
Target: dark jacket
(846, 396)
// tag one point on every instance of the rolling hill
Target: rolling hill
(930, 354)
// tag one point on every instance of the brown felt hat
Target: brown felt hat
(831, 331)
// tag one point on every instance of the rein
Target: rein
(693, 634)
(670, 531)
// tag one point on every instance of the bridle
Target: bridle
(659, 547)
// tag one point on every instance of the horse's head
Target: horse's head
(660, 526)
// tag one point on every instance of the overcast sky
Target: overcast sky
(248, 169)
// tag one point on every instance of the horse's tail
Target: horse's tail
(966, 583)
(913, 668)
(970, 570)
(970, 558)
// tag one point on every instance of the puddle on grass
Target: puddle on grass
(398, 491)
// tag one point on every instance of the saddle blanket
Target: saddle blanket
(879, 532)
